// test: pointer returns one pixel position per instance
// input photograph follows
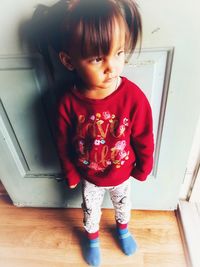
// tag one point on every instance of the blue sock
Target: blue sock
(126, 240)
(93, 252)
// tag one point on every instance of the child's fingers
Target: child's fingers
(72, 186)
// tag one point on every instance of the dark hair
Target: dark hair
(90, 22)
(90, 25)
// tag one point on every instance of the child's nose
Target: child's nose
(110, 66)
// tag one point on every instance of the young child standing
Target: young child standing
(104, 120)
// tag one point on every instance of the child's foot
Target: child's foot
(93, 252)
(126, 241)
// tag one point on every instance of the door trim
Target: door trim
(189, 220)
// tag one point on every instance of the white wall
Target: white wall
(16, 12)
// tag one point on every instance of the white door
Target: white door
(167, 71)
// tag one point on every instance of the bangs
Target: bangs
(96, 36)
(94, 28)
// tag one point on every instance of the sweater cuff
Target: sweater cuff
(139, 175)
(73, 178)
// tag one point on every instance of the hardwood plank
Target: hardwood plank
(33, 237)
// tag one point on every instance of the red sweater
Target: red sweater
(106, 141)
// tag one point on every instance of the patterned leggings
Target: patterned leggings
(92, 200)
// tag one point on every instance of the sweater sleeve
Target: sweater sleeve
(65, 150)
(142, 140)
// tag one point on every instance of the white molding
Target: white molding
(195, 194)
(189, 220)
(12, 142)
(159, 61)
(192, 167)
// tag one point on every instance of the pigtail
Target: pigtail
(39, 34)
(45, 33)
(133, 19)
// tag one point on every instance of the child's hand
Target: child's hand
(72, 186)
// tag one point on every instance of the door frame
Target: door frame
(188, 212)
(191, 181)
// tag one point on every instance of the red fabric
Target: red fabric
(122, 226)
(107, 140)
(93, 235)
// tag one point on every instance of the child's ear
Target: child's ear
(66, 60)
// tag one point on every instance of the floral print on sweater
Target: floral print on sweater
(92, 135)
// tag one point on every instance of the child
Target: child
(104, 120)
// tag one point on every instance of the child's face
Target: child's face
(100, 72)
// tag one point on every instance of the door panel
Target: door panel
(30, 165)
(21, 99)
(26, 125)
(30, 169)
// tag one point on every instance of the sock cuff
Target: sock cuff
(92, 236)
(122, 225)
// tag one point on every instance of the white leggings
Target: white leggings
(92, 200)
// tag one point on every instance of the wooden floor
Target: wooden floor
(32, 237)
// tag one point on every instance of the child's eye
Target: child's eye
(121, 52)
(96, 60)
